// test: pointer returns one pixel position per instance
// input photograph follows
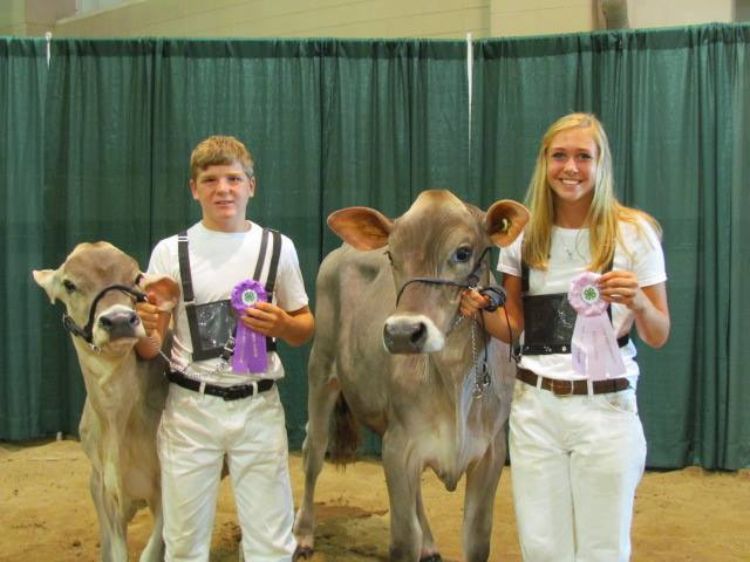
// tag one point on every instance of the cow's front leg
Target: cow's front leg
(402, 470)
(154, 550)
(481, 484)
(428, 552)
(321, 400)
(96, 488)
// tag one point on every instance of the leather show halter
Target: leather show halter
(87, 332)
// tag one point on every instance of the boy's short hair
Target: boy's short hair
(220, 150)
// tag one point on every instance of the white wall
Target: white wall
(346, 18)
(666, 13)
(12, 17)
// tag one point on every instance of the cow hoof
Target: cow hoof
(302, 553)
(432, 558)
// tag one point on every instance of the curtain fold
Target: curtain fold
(23, 74)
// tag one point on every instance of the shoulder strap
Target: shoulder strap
(261, 254)
(274, 266)
(184, 258)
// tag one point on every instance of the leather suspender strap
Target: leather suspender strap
(274, 267)
(184, 259)
(261, 254)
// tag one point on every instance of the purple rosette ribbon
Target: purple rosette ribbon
(250, 355)
(594, 347)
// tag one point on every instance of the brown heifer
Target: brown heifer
(390, 345)
(124, 395)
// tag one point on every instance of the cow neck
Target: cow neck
(115, 377)
(473, 355)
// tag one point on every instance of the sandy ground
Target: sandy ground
(46, 513)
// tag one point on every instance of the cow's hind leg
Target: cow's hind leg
(323, 393)
(481, 484)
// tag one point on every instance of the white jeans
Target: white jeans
(195, 434)
(575, 464)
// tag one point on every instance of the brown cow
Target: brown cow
(125, 396)
(390, 346)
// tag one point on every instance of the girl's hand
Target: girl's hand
(622, 287)
(472, 302)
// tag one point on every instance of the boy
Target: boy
(213, 412)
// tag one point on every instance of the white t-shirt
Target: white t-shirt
(218, 261)
(569, 256)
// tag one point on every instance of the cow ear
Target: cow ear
(504, 221)
(162, 291)
(45, 278)
(361, 227)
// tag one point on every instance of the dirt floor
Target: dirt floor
(46, 513)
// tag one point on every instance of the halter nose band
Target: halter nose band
(86, 332)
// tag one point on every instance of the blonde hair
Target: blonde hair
(604, 213)
(219, 150)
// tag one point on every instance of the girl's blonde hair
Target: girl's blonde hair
(605, 210)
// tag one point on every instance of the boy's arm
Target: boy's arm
(295, 327)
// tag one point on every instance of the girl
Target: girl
(576, 442)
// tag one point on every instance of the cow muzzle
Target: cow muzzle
(120, 322)
(412, 334)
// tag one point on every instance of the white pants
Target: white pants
(575, 464)
(195, 434)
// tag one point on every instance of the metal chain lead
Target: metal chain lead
(481, 375)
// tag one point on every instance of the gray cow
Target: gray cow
(124, 395)
(392, 353)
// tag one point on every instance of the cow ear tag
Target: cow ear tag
(250, 355)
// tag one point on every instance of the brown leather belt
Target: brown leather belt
(560, 387)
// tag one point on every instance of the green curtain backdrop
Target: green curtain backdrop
(101, 146)
(24, 412)
(674, 103)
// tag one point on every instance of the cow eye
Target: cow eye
(70, 287)
(390, 257)
(463, 254)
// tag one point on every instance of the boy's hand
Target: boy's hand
(294, 327)
(267, 319)
(150, 316)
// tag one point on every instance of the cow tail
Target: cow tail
(344, 436)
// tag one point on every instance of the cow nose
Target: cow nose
(120, 324)
(405, 336)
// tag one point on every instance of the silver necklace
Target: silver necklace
(570, 251)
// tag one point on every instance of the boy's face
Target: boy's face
(223, 192)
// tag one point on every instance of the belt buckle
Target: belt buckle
(562, 388)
